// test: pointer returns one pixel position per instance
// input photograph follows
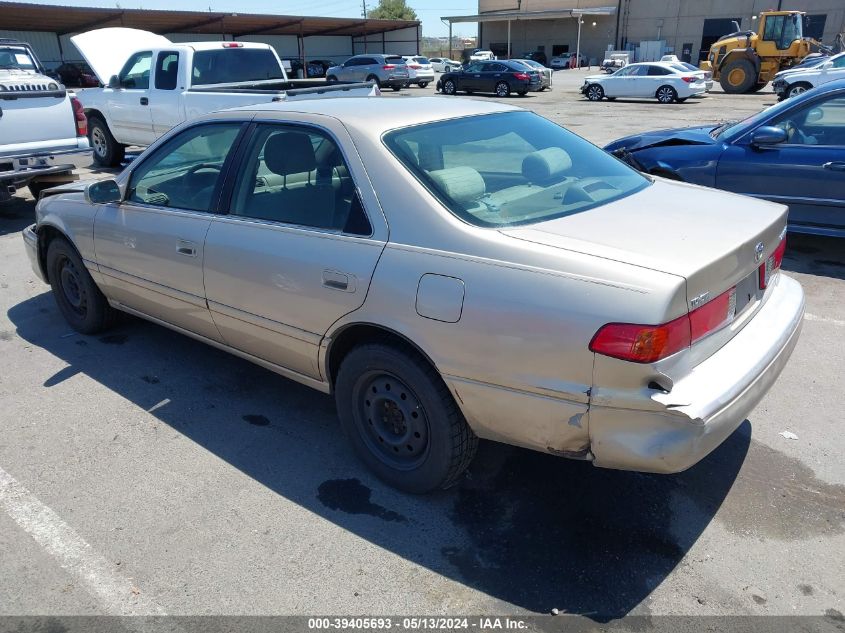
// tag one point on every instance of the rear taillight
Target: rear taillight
(388, 67)
(651, 343)
(414, 66)
(521, 76)
(772, 263)
(79, 117)
(688, 80)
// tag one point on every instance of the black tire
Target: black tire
(666, 94)
(107, 151)
(450, 87)
(738, 77)
(798, 88)
(375, 80)
(420, 441)
(503, 89)
(423, 84)
(331, 79)
(79, 299)
(396, 88)
(594, 92)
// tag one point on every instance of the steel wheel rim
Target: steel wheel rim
(797, 90)
(98, 140)
(502, 90)
(73, 291)
(391, 420)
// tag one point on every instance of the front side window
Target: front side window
(474, 68)
(232, 65)
(136, 71)
(297, 175)
(185, 172)
(839, 62)
(510, 169)
(167, 70)
(820, 123)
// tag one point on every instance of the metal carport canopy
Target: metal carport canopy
(516, 16)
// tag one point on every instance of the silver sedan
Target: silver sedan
(448, 270)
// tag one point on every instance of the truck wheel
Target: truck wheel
(107, 151)
(666, 94)
(401, 419)
(738, 77)
(80, 301)
(798, 88)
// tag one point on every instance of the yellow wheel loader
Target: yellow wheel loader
(746, 61)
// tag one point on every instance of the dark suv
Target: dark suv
(537, 56)
(501, 77)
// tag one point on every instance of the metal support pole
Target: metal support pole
(578, 44)
(509, 39)
(449, 55)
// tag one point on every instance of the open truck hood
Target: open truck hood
(106, 50)
(708, 237)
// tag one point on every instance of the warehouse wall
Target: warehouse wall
(400, 42)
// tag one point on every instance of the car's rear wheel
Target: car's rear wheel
(798, 89)
(503, 89)
(80, 301)
(401, 418)
(449, 87)
(666, 94)
(423, 84)
(107, 151)
(595, 92)
(375, 80)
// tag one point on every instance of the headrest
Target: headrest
(461, 184)
(546, 164)
(289, 153)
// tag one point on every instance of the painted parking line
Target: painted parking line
(821, 319)
(116, 593)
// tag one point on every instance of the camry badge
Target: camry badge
(758, 251)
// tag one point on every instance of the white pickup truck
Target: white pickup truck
(41, 125)
(152, 84)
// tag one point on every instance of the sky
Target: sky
(429, 12)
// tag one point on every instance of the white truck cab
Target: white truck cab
(152, 84)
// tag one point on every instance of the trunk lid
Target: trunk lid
(35, 124)
(711, 238)
(106, 50)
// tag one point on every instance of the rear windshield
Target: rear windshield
(512, 168)
(421, 60)
(230, 65)
(394, 60)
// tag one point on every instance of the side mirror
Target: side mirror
(768, 135)
(103, 192)
(114, 82)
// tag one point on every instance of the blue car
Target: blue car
(792, 153)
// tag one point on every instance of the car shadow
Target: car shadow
(16, 214)
(530, 530)
(814, 255)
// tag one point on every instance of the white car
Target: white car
(658, 80)
(444, 65)
(480, 55)
(559, 62)
(420, 70)
(790, 84)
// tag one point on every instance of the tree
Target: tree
(392, 10)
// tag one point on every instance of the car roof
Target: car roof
(376, 115)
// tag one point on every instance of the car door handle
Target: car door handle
(145, 101)
(835, 166)
(337, 280)
(184, 247)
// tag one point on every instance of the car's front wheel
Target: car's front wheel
(666, 94)
(402, 419)
(595, 92)
(423, 84)
(107, 151)
(798, 89)
(80, 301)
(503, 89)
(449, 87)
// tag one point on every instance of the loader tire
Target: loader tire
(738, 77)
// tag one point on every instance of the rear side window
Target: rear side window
(230, 65)
(136, 71)
(511, 169)
(656, 71)
(167, 70)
